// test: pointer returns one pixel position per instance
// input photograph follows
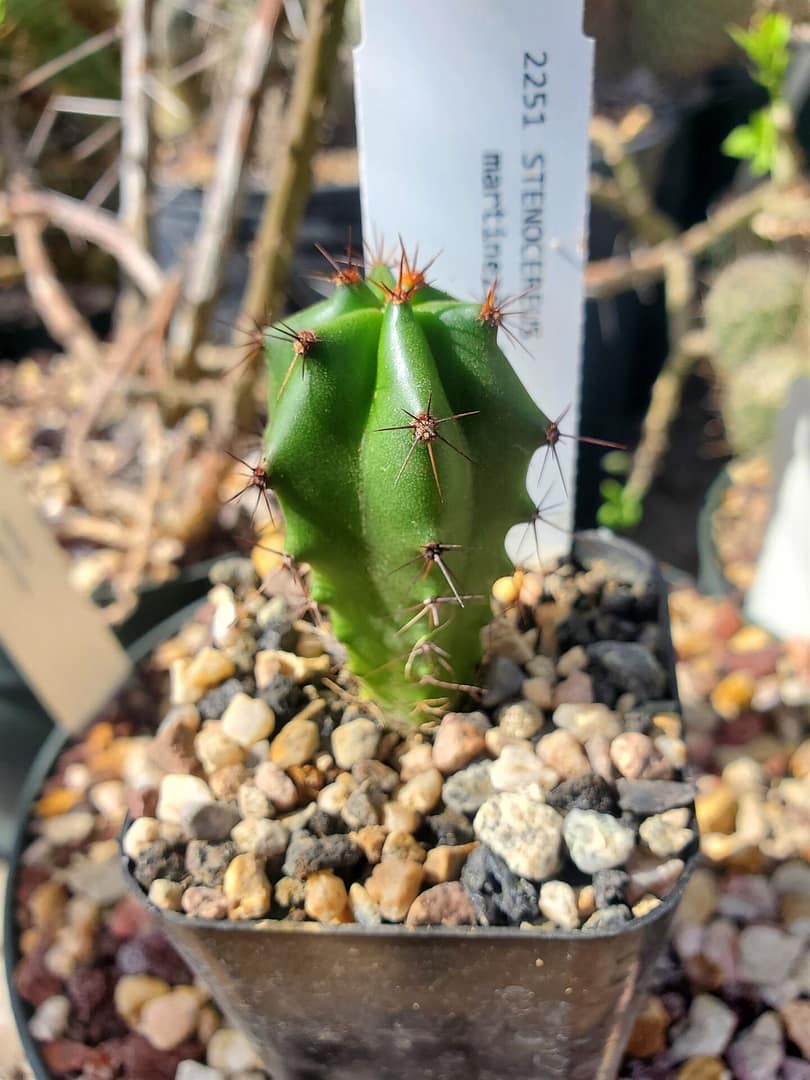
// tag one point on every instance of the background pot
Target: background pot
(25, 724)
(40, 770)
(446, 1004)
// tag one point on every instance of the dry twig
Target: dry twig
(136, 132)
(222, 198)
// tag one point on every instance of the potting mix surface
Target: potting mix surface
(556, 801)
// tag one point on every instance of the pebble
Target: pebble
(521, 720)
(169, 1019)
(589, 792)
(524, 832)
(205, 902)
(562, 752)
(325, 898)
(498, 895)
(207, 862)
(704, 1068)
(166, 894)
(172, 748)
(539, 691)
(733, 694)
(767, 954)
(399, 818)
(211, 821)
(50, 1019)
(401, 845)
(416, 759)
(446, 904)
(466, 791)
(209, 668)
(306, 854)
(710, 1026)
(247, 887)
(231, 1052)
(253, 802)
(577, 689)
(645, 797)
(630, 667)
(584, 721)
(666, 834)
(659, 880)
(363, 908)
(73, 828)
(609, 918)
(757, 1054)
(446, 861)
(260, 836)
(247, 720)
(132, 992)
(276, 785)
(558, 903)
(355, 741)
(519, 766)
(649, 1034)
(459, 741)
(597, 841)
(110, 799)
(180, 795)
(422, 792)
(631, 752)
(193, 1070)
(504, 680)
(796, 1015)
(296, 744)
(360, 810)
(393, 885)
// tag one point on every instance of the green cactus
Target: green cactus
(753, 399)
(754, 302)
(398, 447)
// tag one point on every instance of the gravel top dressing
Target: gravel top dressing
(556, 800)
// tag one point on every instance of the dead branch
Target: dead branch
(222, 198)
(51, 300)
(631, 196)
(90, 223)
(621, 273)
(274, 246)
(136, 132)
(126, 352)
(685, 346)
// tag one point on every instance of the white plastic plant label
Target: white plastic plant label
(779, 599)
(69, 658)
(473, 134)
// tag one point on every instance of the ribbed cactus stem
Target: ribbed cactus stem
(398, 447)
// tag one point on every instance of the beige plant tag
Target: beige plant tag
(70, 659)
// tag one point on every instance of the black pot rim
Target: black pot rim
(39, 772)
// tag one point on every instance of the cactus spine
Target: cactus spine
(398, 446)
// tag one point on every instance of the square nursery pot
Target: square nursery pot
(390, 1003)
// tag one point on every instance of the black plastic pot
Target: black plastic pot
(41, 769)
(390, 1003)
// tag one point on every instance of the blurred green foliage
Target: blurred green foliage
(37, 31)
(767, 46)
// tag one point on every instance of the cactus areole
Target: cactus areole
(398, 445)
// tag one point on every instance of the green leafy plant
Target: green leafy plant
(620, 510)
(761, 140)
(398, 447)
